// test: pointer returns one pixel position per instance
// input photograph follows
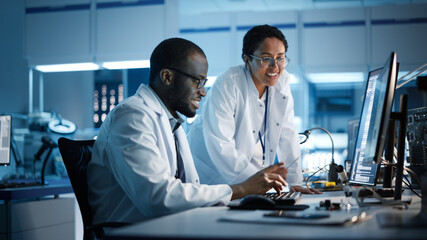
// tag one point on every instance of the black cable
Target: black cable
(408, 183)
(306, 181)
(413, 176)
(332, 173)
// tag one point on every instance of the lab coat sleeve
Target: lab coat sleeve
(219, 129)
(134, 147)
(289, 149)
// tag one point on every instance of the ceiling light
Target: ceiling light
(67, 67)
(126, 64)
(345, 77)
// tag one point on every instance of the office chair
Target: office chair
(76, 156)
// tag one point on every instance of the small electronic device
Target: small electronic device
(5, 137)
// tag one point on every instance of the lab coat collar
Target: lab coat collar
(252, 87)
(143, 90)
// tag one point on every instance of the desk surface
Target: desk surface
(206, 223)
(21, 193)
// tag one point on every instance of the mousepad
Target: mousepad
(296, 207)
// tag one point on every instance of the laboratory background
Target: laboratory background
(72, 61)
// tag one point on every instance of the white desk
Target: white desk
(203, 223)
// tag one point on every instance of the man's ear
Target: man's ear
(166, 76)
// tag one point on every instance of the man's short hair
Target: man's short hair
(171, 52)
(254, 37)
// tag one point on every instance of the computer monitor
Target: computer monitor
(360, 172)
(5, 135)
(376, 110)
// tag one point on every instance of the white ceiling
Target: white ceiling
(192, 7)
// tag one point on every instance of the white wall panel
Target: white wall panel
(329, 48)
(213, 33)
(399, 11)
(67, 31)
(334, 40)
(402, 29)
(58, 36)
(128, 33)
(216, 46)
(333, 15)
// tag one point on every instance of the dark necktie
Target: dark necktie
(180, 173)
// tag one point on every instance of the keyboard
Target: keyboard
(284, 198)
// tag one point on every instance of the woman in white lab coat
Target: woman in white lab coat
(248, 118)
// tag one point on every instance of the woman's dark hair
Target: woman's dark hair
(257, 34)
(171, 52)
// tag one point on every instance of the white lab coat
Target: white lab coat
(131, 176)
(223, 138)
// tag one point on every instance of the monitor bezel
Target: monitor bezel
(391, 66)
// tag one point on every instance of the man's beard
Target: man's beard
(178, 103)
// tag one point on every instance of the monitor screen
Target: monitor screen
(5, 134)
(373, 123)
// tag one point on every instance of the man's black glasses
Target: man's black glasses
(199, 82)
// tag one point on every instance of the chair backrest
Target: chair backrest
(76, 156)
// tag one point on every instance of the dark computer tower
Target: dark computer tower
(417, 139)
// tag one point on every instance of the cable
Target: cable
(407, 182)
(413, 175)
(306, 181)
(332, 173)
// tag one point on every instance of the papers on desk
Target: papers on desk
(340, 218)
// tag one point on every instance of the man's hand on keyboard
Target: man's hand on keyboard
(305, 190)
(260, 182)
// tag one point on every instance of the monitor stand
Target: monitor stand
(402, 117)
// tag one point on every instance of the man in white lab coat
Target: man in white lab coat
(136, 172)
(248, 118)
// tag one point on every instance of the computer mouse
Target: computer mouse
(257, 202)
